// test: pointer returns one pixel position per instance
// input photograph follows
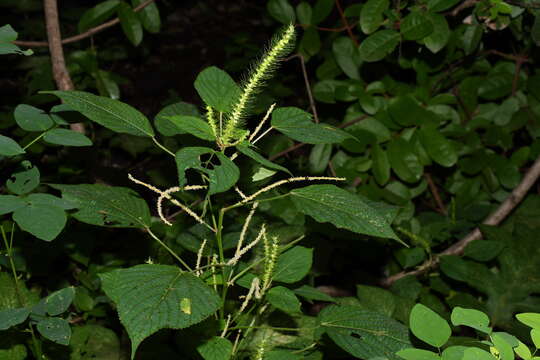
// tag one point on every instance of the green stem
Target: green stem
(171, 251)
(162, 147)
(33, 141)
(219, 240)
(9, 251)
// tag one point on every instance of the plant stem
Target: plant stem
(219, 240)
(171, 251)
(33, 141)
(162, 147)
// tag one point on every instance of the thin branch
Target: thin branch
(340, 29)
(346, 23)
(85, 34)
(494, 218)
(308, 85)
(435, 192)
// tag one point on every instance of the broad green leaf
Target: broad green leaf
(10, 203)
(438, 39)
(471, 318)
(404, 161)
(328, 203)
(429, 326)
(8, 147)
(282, 11)
(529, 319)
(48, 200)
(437, 146)
(92, 341)
(347, 56)
(244, 149)
(298, 125)
(364, 334)
(406, 111)
(153, 297)
(319, 158)
(24, 179)
(371, 16)
(66, 137)
(42, 221)
(311, 293)
(130, 23)
(13, 293)
(284, 299)
(321, 10)
(217, 89)
(221, 177)
(416, 26)
(304, 13)
(523, 351)
(59, 301)
(30, 118)
(417, 354)
(504, 343)
(483, 250)
(441, 5)
(381, 165)
(495, 86)
(379, 44)
(453, 352)
(112, 114)
(535, 337)
(217, 348)
(149, 16)
(376, 299)
(474, 353)
(293, 265)
(12, 317)
(165, 126)
(471, 38)
(192, 125)
(106, 205)
(7, 36)
(55, 329)
(97, 14)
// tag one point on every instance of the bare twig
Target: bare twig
(464, 5)
(343, 28)
(346, 23)
(494, 218)
(85, 34)
(435, 192)
(308, 85)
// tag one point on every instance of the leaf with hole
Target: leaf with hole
(25, 178)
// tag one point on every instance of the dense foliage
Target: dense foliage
(362, 187)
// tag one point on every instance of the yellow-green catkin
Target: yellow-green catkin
(271, 253)
(211, 118)
(261, 72)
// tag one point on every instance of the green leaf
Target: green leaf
(471, 318)
(529, 319)
(416, 26)
(429, 326)
(149, 16)
(437, 146)
(298, 125)
(217, 348)
(165, 126)
(55, 329)
(376, 299)
(319, 158)
(59, 301)
(112, 114)
(192, 125)
(217, 89)
(131, 24)
(293, 265)
(221, 177)
(438, 39)
(48, 200)
(328, 203)
(321, 10)
(404, 161)
(282, 11)
(311, 293)
(417, 354)
(10, 203)
(473, 353)
(535, 337)
(284, 299)
(471, 38)
(381, 165)
(347, 56)
(24, 179)
(30, 118)
(92, 341)
(244, 149)
(441, 5)
(66, 137)
(42, 221)
(106, 205)
(304, 12)
(523, 351)
(285, 355)
(362, 333)
(504, 343)
(154, 297)
(8, 147)
(379, 44)
(406, 111)
(371, 16)
(483, 250)
(12, 317)
(97, 14)
(310, 44)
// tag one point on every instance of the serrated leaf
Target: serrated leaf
(59, 301)
(328, 203)
(25, 178)
(371, 15)
(130, 23)
(293, 265)
(297, 124)
(217, 348)
(9, 147)
(379, 44)
(282, 11)
(415, 26)
(192, 125)
(244, 149)
(55, 329)
(284, 299)
(165, 126)
(148, 298)
(217, 89)
(362, 333)
(471, 318)
(43, 221)
(106, 205)
(437, 146)
(112, 114)
(30, 118)
(149, 16)
(66, 137)
(429, 326)
(12, 317)
(97, 14)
